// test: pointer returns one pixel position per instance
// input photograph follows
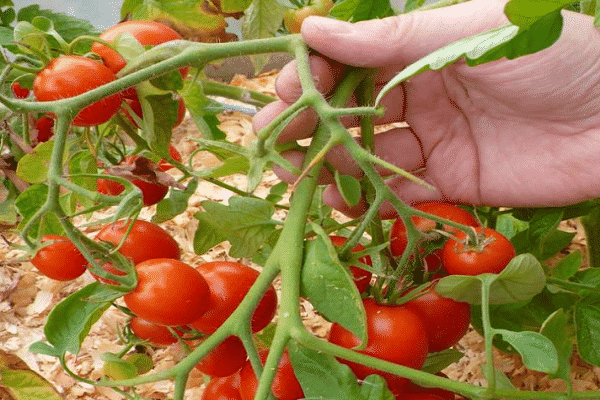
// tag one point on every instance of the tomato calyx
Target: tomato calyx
(473, 241)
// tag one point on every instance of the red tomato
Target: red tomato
(395, 334)
(136, 106)
(109, 268)
(145, 241)
(151, 332)
(227, 388)
(175, 155)
(19, 91)
(446, 321)
(229, 282)
(168, 292)
(399, 240)
(491, 254)
(416, 392)
(225, 359)
(61, 260)
(362, 277)
(152, 192)
(147, 33)
(44, 127)
(69, 76)
(285, 385)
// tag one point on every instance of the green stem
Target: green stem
(253, 97)
(488, 336)
(572, 286)
(591, 227)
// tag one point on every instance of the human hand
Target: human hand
(523, 132)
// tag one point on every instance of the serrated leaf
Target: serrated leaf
(70, 321)
(207, 235)
(202, 110)
(525, 13)
(19, 382)
(374, 387)
(329, 287)
(555, 328)
(262, 19)
(322, 376)
(587, 322)
(361, 10)
(31, 37)
(435, 362)
(33, 167)
(28, 203)
(568, 266)
(536, 350)
(349, 188)
(521, 280)
(175, 204)
(160, 114)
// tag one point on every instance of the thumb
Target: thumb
(402, 39)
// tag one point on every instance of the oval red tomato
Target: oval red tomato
(147, 33)
(490, 255)
(229, 282)
(68, 76)
(285, 384)
(19, 91)
(446, 321)
(61, 260)
(227, 388)
(44, 127)
(175, 155)
(145, 241)
(395, 334)
(168, 292)
(362, 277)
(225, 359)
(155, 334)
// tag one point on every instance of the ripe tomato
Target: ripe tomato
(285, 385)
(416, 392)
(293, 18)
(44, 126)
(362, 277)
(227, 388)
(148, 33)
(446, 321)
(61, 260)
(175, 155)
(225, 359)
(395, 334)
(168, 292)
(491, 254)
(145, 241)
(19, 91)
(399, 240)
(136, 106)
(152, 190)
(69, 76)
(229, 282)
(154, 334)
(109, 268)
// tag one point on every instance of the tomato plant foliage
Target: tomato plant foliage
(94, 133)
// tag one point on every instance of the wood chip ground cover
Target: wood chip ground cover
(26, 297)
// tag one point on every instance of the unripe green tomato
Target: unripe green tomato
(293, 18)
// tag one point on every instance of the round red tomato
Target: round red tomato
(362, 277)
(44, 127)
(225, 359)
(175, 155)
(168, 292)
(61, 260)
(446, 321)
(152, 190)
(227, 388)
(229, 282)
(147, 33)
(395, 334)
(399, 240)
(19, 91)
(69, 76)
(145, 241)
(490, 255)
(285, 385)
(155, 334)
(136, 106)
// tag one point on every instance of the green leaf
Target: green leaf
(555, 328)
(554, 242)
(246, 223)
(70, 321)
(349, 188)
(175, 204)
(207, 235)
(361, 10)
(330, 287)
(374, 387)
(276, 192)
(587, 322)
(588, 276)
(28, 203)
(509, 226)
(128, 46)
(508, 41)
(521, 280)
(171, 81)
(31, 37)
(186, 12)
(33, 167)
(536, 350)
(322, 376)
(435, 362)
(160, 115)
(525, 13)
(202, 110)
(262, 20)
(234, 6)
(568, 266)
(19, 382)
(412, 5)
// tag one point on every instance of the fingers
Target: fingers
(403, 39)
(300, 127)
